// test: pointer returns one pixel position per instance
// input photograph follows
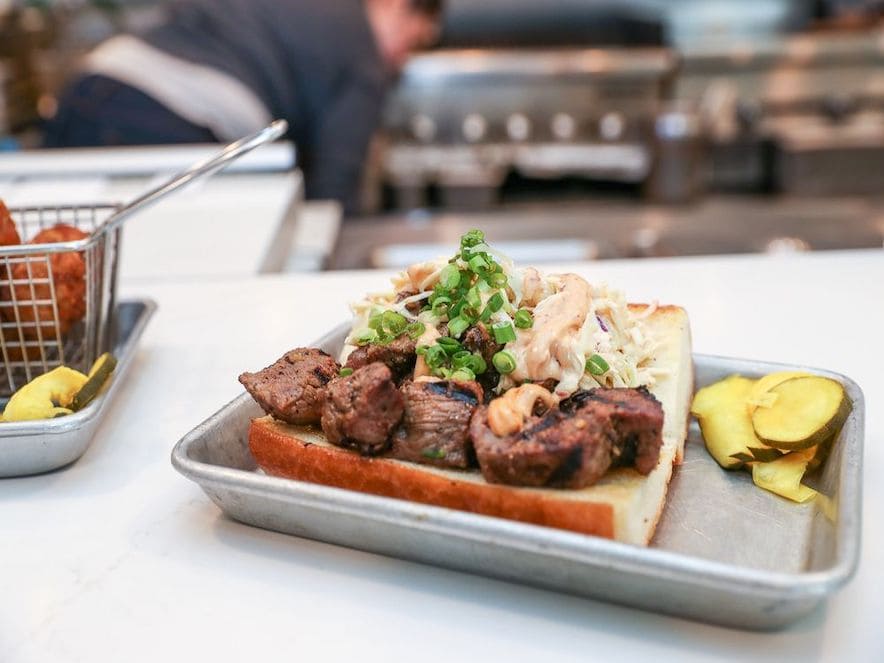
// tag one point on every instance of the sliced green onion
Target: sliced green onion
(440, 306)
(461, 358)
(394, 322)
(474, 298)
(462, 374)
(497, 280)
(503, 332)
(470, 361)
(597, 365)
(496, 302)
(456, 308)
(504, 362)
(344, 372)
(523, 319)
(450, 345)
(458, 326)
(478, 264)
(477, 364)
(470, 314)
(415, 330)
(472, 238)
(376, 321)
(366, 336)
(449, 277)
(435, 356)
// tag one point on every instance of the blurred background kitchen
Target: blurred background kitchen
(567, 129)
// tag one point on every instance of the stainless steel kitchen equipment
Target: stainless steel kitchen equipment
(802, 114)
(33, 338)
(462, 120)
(725, 551)
(31, 447)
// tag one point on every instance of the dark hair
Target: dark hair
(429, 7)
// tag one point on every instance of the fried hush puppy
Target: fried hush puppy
(8, 234)
(68, 280)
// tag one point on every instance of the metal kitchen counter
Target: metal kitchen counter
(620, 228)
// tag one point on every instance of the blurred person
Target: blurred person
(216, 70)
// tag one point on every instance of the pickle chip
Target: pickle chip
(760, 395)
(807, 411)
(783, 476)
(99, 373)
(724, 420)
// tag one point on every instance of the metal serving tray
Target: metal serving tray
(32, 447)
(725, 551)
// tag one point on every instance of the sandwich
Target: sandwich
(480, 386)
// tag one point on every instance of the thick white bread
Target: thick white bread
(624, 505)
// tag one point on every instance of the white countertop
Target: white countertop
(120, 558)
(220, 227)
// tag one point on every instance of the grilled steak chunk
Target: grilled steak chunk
(293, 388)
(555, 450)
(362, 409)
(637, 417)
(572, 446)
(399, 356)
(478, 339)
(435, 428)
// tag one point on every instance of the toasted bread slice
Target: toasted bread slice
(624, 505)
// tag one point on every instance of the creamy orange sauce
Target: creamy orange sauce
(550, 348)
(507, 413)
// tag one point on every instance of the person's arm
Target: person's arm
(337, 153)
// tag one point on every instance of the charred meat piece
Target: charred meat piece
(413, 307)
(572, 446)
(399, 356)
(478, 339)
(555, 450)
(435, 428)
(637, 418)
(293, 388)
(362, 409)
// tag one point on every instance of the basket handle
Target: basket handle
(203, 168)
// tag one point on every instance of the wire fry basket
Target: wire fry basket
(56, 299)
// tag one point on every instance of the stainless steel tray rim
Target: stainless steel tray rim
(66, 424)
(36, 447)
(705, 588)
(557, 543)
(58, 426)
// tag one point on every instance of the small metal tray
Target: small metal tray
(32, 447)
(725, 552)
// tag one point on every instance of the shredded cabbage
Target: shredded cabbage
(604, 326)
